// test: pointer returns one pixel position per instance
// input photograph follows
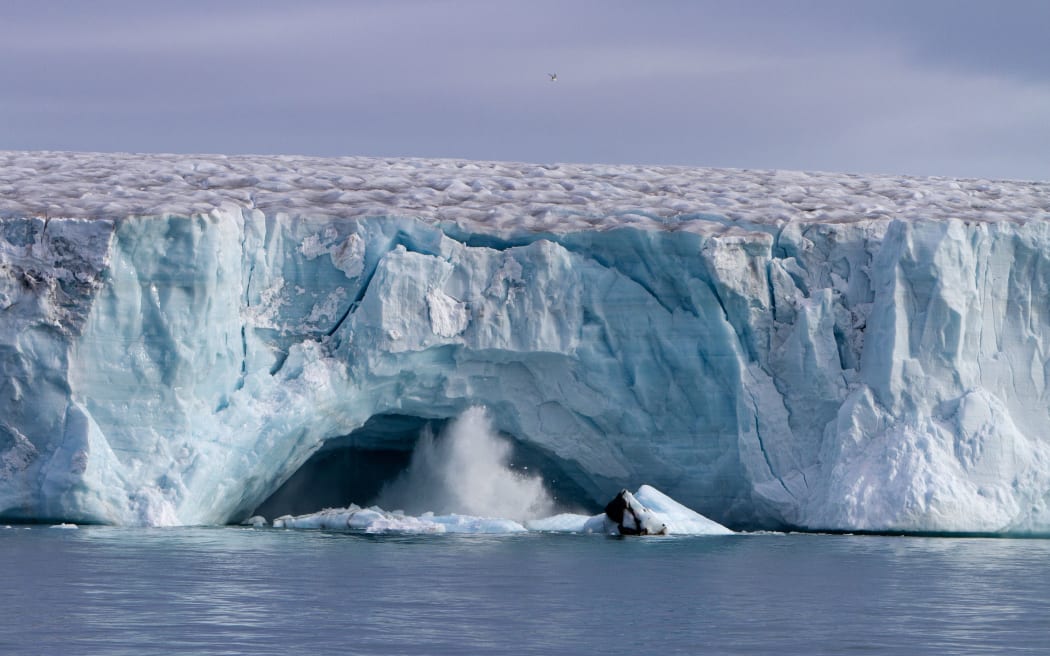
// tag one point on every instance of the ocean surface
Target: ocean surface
(100, 590)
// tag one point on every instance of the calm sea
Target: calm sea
(240, 591)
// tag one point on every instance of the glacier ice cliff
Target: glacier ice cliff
(180, 335)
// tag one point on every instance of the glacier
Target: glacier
(184, 335)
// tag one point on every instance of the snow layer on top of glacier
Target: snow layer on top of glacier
(492, 197)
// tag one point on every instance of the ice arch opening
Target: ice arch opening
(393, 457)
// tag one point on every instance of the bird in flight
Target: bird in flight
(553, 77)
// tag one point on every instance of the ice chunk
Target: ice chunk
(377, 520)
(678, 519)
(664, 516)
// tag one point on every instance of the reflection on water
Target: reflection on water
(243, 591)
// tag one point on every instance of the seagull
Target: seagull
(553, 77)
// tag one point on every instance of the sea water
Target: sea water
(99, 590)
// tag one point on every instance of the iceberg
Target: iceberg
(674, 517)
(651, 513)
(183, 337)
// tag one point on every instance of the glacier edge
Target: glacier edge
(880, 374)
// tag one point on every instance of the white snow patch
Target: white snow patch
(448, 316)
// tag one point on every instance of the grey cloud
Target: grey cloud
(859, 86)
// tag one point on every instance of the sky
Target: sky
(955, 88)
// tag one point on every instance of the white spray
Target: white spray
(466, 471)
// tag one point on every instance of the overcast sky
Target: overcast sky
(927, 87)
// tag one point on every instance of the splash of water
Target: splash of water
(465, 470)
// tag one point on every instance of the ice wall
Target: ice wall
(772, 349)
